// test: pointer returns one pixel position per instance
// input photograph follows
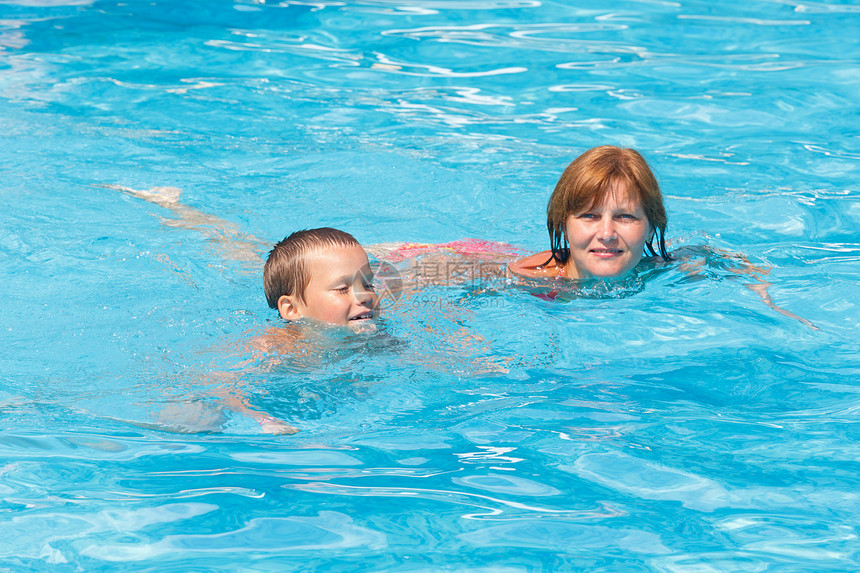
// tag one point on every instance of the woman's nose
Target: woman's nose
(607, 229)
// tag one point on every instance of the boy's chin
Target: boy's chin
(365, 326)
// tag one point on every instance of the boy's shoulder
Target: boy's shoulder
(274, 340)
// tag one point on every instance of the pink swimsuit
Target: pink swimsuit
(466, 247)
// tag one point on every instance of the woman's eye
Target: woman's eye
(589, 216)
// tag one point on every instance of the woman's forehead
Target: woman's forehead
(617, 192)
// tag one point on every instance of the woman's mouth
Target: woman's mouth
(606, 253)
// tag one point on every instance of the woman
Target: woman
(604, 212)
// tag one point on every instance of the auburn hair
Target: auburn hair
(586, 182)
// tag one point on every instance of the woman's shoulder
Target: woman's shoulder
(541, 264)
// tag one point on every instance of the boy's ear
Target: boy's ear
(287, 307)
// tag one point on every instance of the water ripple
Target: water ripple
(387, 64)
(510, 36)
(819, 7)
(774, 62)
(299, 47)
(56, 527)
(430, 7)
(566, 537)
(491, 507)
(94, 449)
(739, 20)
(498, 483)
(328, 531)
(298, 458)
(651, 481)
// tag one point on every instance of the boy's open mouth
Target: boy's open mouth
(363, 316)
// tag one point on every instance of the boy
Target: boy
(318, 274)
(321, 274)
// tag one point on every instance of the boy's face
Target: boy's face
(340, 290)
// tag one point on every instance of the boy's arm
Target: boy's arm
(234, 245)
(269, 424)
(231, 396)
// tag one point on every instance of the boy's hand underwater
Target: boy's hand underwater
(271, 425)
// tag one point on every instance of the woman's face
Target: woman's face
(607, 240)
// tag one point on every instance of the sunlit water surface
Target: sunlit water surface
(669, 422)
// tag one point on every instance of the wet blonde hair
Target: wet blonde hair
(286, 271)
(586, 182)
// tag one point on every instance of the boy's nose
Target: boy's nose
(363, 296)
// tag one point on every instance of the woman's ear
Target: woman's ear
(288, 307)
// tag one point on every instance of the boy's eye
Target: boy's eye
(343, 289)
(370, 286)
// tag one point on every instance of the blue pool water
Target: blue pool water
(669, 423)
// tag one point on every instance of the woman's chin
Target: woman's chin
(604, 269)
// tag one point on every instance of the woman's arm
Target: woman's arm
(760, 288)
(741, 265)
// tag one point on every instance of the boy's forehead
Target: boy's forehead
(336, 252)
(340, 256)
